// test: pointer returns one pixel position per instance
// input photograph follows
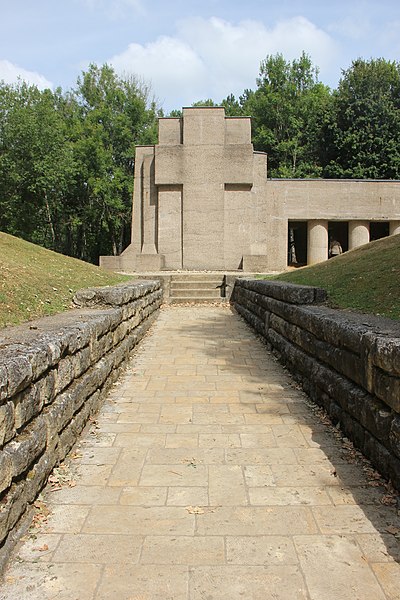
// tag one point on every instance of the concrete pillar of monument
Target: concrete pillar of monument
(317, 246)
(149, 207)
(358, 233)
(394, 227)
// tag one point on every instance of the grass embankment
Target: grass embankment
(35, 282)
(366, 279)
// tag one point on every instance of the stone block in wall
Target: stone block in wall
(376, 417)
(65, 374)
(81, 362)
(286, 292)
(18, 372)
(7, 422)
(120, 332)
(38, 474)
(12, 507)
(59, 413)
(6, 471)
(353, 430)
(339, 359)
(27, 446)
(101, 347)
(387, 388)
(385, 353)
(116, 295)
(254, 321)
(3, 382)
(28, 404)
(382, 459)
(394, 435)
(77, 337)
(70, 434)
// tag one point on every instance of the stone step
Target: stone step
(195, 285)
(195, 292)
(197, 277)
(195, 300)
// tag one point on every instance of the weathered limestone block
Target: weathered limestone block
(101, 347)
(254, 321)
(18, 372)
(3, 382)
(386, 462)
(28, 404)
(377, 418)
(65, 374)
(27, 446)
(37, 476)
(57, 414)
(12, 507)
(77, 337)
(74, 428)
(7, 422)
(119, 333)
(387, 388)
(81, 361)
(114, 296)
(339, 359)
(394, 436)
(286, 292)
(6, 471)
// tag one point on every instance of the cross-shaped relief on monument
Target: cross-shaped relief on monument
(198, 160)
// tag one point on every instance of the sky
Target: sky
(189, 50)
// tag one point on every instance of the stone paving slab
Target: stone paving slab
(208, 476)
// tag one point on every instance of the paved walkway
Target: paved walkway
(207, 477)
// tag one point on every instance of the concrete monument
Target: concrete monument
(202, 201)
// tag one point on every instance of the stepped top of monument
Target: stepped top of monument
(204, 125)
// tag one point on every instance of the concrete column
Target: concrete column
(394, 227)
(358, 233)
(317, 241)
(149, 207)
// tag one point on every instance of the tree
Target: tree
(66, 161)
(287, 109)
(115, 114)
(36, 164)
(363, 128)
(233, 107)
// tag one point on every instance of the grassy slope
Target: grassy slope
(35, 282)
(366, 279)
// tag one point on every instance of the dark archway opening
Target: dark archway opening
(378, 230)
(297, 243)
(338, 233)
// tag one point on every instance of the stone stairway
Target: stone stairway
(196, 287)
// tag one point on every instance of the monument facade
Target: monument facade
(203, 201)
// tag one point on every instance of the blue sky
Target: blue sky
(189, 50)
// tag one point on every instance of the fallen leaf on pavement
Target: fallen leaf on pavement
(195, 510)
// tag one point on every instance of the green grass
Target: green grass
(366, 279)
(35, 282)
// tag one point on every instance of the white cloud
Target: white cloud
(210, 58)
(172, 67)
(10, 73)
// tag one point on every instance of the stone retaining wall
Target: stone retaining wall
(348, 363)
(54, 374)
